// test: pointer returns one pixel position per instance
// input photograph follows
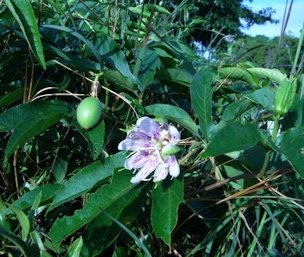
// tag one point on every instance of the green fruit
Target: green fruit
(89, 112)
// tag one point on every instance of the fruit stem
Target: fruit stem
(95, 85)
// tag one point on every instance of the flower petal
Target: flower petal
(161, 172)
(145, 171)
(148, 126)
(137, 160)
(134, 145)
(173, 134)
(174, 169)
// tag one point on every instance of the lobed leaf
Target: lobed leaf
(166, 198)
(27, 200)
(86, 178)
(101, 232)
(96, 204)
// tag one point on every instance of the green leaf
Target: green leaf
(114, 57)
(149, 63)
(75, 248)
(26, 249)
(86, 178)
(291, 145)
(28, 199)
(80, 37)
(166, 198)
(272, 74)
(23, 221)
(29, 120)
(264, 96)
(95, 138)
(239, 73)
(119, 79)
(101, 232)
(201, 97)
(233, 137)
(175, 114)
(175, 76)
(97, 203)
(234, 110)
(37, 239)
(71, 60)
(24, 15)
(60, 164)
(11, 97)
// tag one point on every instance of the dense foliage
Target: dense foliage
(65, 186)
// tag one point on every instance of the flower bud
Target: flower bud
(285, 96)
(169, 150)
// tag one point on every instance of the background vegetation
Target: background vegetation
(64, 189)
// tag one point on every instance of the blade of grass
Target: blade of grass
(132, 235)
(294, 66)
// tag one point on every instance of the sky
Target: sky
(295, 23)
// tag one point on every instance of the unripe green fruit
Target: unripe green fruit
(89, 112)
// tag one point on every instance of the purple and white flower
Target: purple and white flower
(153, 146)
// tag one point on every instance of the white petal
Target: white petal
(137, 160)
(145, 171)
(160, 173)
(120, 146)
(174, 134)
(174, 169)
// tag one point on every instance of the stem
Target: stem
(276, 127)
(275, 131)
(107, 97)
(265, 164)
(294, 66)
(95, 85)
(16, 173)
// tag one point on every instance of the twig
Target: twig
(250, 230)
(32, 77)
(4, 177)
(15, 172)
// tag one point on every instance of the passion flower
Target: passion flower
(88, 112)
(152, 145)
